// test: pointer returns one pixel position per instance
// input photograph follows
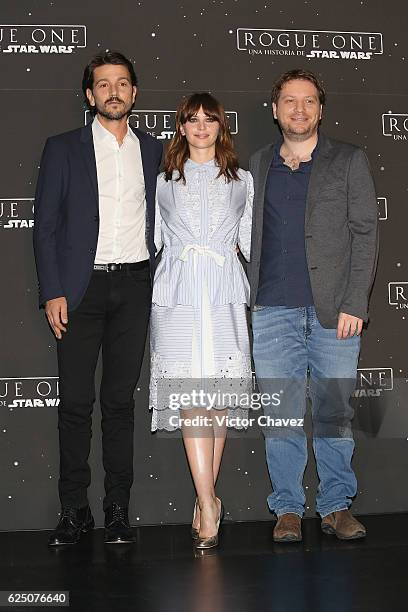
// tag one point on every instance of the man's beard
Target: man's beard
(299, 136)
(114, 115)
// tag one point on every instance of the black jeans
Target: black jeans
(114, 315)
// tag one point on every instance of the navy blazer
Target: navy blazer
(66, 212)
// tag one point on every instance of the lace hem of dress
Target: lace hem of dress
(233, 377)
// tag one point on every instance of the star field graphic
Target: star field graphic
(235, 49)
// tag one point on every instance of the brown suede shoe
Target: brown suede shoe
(343, 525)
(288, 528)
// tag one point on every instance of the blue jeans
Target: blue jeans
(289, 343)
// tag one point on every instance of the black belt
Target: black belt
(116, 267)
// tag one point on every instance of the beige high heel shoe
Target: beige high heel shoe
(212, 541)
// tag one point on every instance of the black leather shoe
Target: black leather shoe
(117, 528)
(73, 522)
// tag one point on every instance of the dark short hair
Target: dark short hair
(297, 74)
(100, 59)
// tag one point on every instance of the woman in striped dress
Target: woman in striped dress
(199, 334)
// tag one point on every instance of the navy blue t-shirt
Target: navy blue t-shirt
(284, 275)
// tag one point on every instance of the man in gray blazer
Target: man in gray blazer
(313, 260)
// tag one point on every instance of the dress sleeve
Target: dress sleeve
(245, 226)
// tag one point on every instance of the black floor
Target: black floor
(248, 572)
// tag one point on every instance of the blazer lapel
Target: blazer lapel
(261, 174)
(318, 175)
(263, 170)
(88, 154)
(149, 171)
(150, 178)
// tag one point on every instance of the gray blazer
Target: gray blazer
(341, 228)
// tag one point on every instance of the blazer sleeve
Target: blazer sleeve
(363, 225)
(47, 206)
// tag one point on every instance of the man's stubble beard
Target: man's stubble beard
(302, 136)
(114, 116)
(299, 137)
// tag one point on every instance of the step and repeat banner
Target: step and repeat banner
(235, 49)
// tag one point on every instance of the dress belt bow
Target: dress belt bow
(202, 250)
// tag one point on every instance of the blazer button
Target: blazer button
(95, 217)
(92, 251)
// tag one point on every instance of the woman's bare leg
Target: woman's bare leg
(220, 432)
(199, 443)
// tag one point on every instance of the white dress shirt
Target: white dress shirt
(122, 198)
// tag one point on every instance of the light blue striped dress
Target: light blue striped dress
(199, 330)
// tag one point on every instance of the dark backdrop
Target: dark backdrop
(235, 48)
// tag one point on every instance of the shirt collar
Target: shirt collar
(276, 150)
(192, 165)
(101, 133)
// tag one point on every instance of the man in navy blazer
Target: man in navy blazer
(94, 251)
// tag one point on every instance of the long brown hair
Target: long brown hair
(178, 151)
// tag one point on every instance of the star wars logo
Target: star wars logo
(161, 123)
(372, 382)
(31, 392)
(398, 295)
(382, 209)
(313, 44)
(16, 213)
(395, 125)
(46, 39)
